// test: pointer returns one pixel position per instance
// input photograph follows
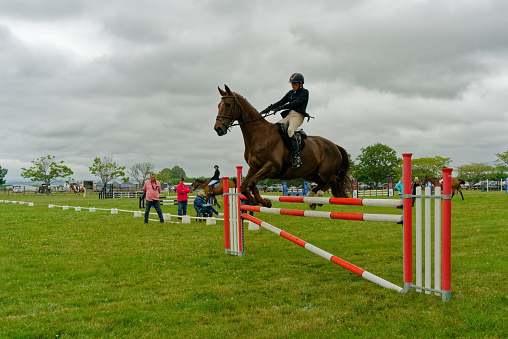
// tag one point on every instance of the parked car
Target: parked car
(362, 186)
(275, 188)
(16, 189)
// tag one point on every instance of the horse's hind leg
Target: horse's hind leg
(215, 201)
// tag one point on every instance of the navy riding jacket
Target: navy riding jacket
(216, 175)
(296, 101)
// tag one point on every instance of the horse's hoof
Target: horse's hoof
(312, 206)
(266, 203)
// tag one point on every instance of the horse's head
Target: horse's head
(425, 180)
(195, 184)
(228, 106)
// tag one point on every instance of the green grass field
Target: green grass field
(68, 274)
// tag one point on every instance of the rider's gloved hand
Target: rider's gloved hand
(278, 108)
(266, 110)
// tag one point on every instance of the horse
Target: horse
(323, 162)
(216, 191)
(82, 190)
(436, 182)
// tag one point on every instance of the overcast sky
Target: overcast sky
(138, 80)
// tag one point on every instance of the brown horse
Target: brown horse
(324, 162)
(436, 182)
(212, 193)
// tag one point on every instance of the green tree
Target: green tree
(165, 176)
(474, 171)
(178, 173)
(106, 169)
(45, 169)
(377, 163)
(502, 160)
(3, 173)
(141, 171)
(431, 166)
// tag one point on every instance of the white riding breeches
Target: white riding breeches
(293, 120)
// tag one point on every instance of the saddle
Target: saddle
(216, 185)
(300, 137)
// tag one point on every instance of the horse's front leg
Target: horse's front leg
(250, 181)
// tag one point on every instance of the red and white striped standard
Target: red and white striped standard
(326, 215)
(316, 250)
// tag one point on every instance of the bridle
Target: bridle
(231, 115)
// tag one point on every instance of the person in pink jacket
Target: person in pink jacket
(182, 197)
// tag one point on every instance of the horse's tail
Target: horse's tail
(342, 185)
(462, 182)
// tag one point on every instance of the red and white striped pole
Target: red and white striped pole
(225, 191)
(446, 244)
(408, 223)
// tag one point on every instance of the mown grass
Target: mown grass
(70, 274)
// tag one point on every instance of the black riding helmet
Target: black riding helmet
(296, 77)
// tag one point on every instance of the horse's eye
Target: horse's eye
(228, 104)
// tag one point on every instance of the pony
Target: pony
(212, 193)
(82, 190)
(324, 162)
(436, 182)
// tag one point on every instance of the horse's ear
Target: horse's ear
(227, 89)
(221, 91)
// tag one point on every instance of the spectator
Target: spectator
(414, 185)
(152, 189)
(400, 186)
(201, 206)
(182, 197)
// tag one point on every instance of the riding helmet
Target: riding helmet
(296, 77)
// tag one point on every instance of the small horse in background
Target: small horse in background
(80, 191)
(438, 183)
(212, 193)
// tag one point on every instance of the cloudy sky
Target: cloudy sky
(138, 80)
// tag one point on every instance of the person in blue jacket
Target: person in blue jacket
(202, 206)
(400, 187)
(294, 104)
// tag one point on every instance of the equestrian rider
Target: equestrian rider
(216, 177)
(295, 103)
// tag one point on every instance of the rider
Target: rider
(295, 102)
(216, 176)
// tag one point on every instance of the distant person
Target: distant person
(182, 190)
(414, 185)
(400, 186)
(152, 189)
(201, 206)
(216, 177)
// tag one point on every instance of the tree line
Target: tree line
(376, 163)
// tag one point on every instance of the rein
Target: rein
(231, 115)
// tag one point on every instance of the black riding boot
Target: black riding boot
(297, 162)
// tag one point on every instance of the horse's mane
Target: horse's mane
(200, 181)
(241, 96)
